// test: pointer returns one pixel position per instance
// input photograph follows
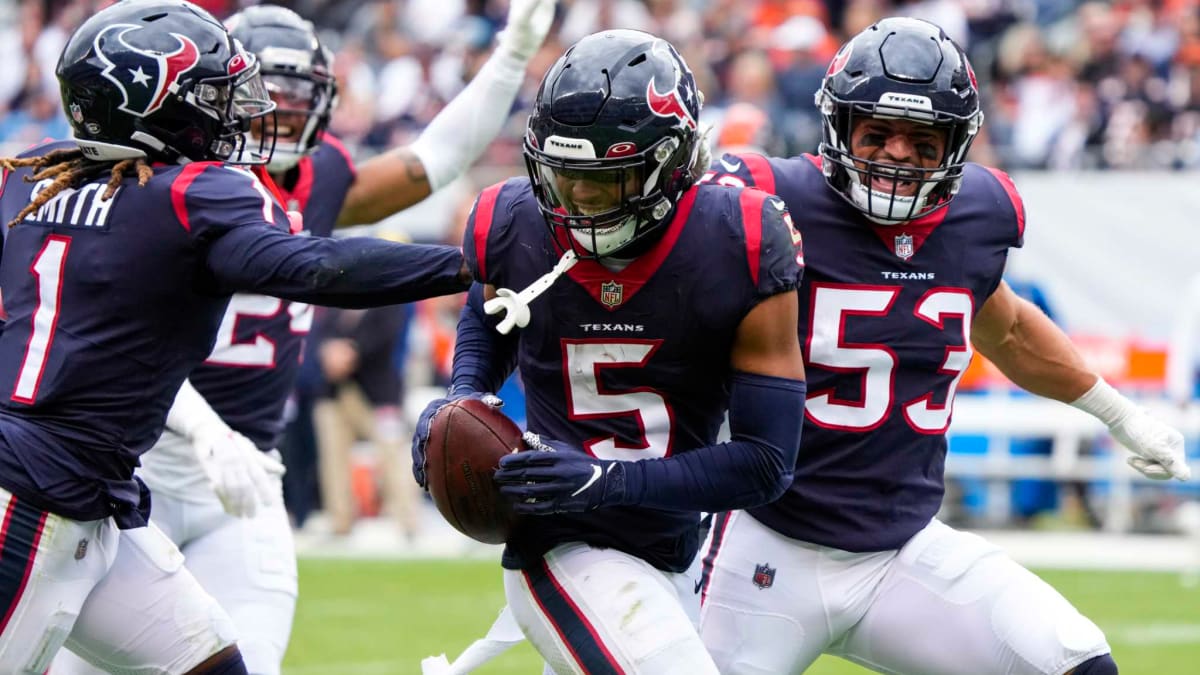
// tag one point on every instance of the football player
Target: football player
(906, 246)
(224, 425)
(650, 306)
(122, 249)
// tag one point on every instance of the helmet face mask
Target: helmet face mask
(610, 145)
(242, 97)
(898, 69)
(298, 73)
(162, 79)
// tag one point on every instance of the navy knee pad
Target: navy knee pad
(1100, 665)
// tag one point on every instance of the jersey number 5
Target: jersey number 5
(587, 399)
(832, 306)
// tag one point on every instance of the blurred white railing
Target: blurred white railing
(1003, 419)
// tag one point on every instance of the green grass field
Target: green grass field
(382, 617)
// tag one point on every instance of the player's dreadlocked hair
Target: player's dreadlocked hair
(70, 168)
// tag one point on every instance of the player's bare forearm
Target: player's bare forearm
(1029, 348)
(385, 184)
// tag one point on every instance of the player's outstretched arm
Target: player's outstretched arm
(766, 416)
(458, 135)
(1039, 357)
(353, 273)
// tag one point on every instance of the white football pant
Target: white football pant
(120, 598)
(946, 603)
(247, 564)
(591, 611)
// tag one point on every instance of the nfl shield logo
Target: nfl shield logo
(764, 575)
(904, 246)
(611, 293)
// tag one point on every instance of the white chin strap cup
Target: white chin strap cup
(516, 305)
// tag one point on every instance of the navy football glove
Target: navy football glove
(421, 433)
(553, 477)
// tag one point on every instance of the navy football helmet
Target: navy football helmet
(898, 68)
(298, 72)
(162, 79)
(612, 140)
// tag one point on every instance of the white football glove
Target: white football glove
(243, 476)
(1157, 447)
(526, 27)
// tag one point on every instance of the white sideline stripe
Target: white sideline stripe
(357, 667)
(1099, 551)
(378, 539)
(1157, 634)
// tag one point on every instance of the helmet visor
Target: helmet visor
(249, 108)
(591, 192)
(293, 93)
(250, 96)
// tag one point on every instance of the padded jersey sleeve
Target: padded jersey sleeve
(774, 249)
(489, 230)
(209, 198)
(1009, 198)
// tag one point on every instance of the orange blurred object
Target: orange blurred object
(366, 489)
(1123, 362)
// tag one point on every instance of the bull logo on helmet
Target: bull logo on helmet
(838, 64)
(145, 77)
(675, 100)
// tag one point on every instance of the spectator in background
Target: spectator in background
(1039, 86)
(19, 26)
(1066, 84)
(40, 118)
(744, 127)
(800, 49)
(363, 400)
(584, 17)
(298, 447)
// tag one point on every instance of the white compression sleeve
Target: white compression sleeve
(460, 132)
(191, 413)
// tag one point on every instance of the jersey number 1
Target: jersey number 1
(48, 269)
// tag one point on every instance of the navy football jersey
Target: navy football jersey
(112, 303)
(886, 314)
(253, 366)
(632, 364)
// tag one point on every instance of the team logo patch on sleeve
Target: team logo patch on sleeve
(764, 576)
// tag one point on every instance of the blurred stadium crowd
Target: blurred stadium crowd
(1067, 84)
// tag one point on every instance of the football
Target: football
(466, 441)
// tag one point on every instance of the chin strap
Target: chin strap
(515, 306)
